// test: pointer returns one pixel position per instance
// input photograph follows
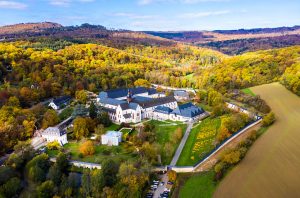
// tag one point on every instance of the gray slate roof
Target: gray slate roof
(155, 101)
(131, 105)
(188, 110)
(112, 101)
(61, 100)
(181, 93)
(118, 93)
(163, 109)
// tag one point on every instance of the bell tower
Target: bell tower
(129, 96)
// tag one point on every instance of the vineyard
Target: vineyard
(200, 142)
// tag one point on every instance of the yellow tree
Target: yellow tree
(142, 83)
(87, 148)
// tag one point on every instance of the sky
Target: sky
(158, 15)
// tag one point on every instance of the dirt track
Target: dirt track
(271, 167)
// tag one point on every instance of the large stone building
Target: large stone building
(135, 104)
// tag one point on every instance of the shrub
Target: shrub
(106, 152)
(87, 148)
(268, 119)
(172, 175)
(80, 155)
(53, 145)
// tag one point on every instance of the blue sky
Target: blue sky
(155, 14)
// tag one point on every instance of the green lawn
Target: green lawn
(200, 142)
(205, 106)
(198, 186)
(248, 91)
(112, 127)
(117, 153)
(67, 112)
(164, 134)
(125, 130)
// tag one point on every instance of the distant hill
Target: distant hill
(28, 27)
(237, 41)
(227, 41)
(84, 33)
(259, 30)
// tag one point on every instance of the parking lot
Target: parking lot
(160, 188)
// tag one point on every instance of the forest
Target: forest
(32, 72)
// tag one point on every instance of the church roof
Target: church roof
(155, 101)
(163, 109)
(112, 101)
(188, 110)
(130, 105)
(122, 92)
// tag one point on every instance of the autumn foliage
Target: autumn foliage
(87, 148)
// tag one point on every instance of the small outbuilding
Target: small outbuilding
(181, 95)
(60, 102)
(112, 138)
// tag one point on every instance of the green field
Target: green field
(112, 127)
(200, 142)
(271, 166)
(200, 185)
(248, 91)
(118, 153)
(163, 135)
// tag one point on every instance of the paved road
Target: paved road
(174, 88)
(182, 143)
(160, 189)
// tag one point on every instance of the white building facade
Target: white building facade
(142, 103)
(52, 134)
(111, 138)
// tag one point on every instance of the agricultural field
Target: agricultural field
(200, 142)
(164, 131)
(271, 167)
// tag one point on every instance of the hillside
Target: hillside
(238, 41)
(254, 68)
(27, 27)
(84, 33)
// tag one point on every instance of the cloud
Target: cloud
(134, 16)
(147, 2)
(67, 2)
(201, 1)
(12, 5)
(60, 2)
(203, 14)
